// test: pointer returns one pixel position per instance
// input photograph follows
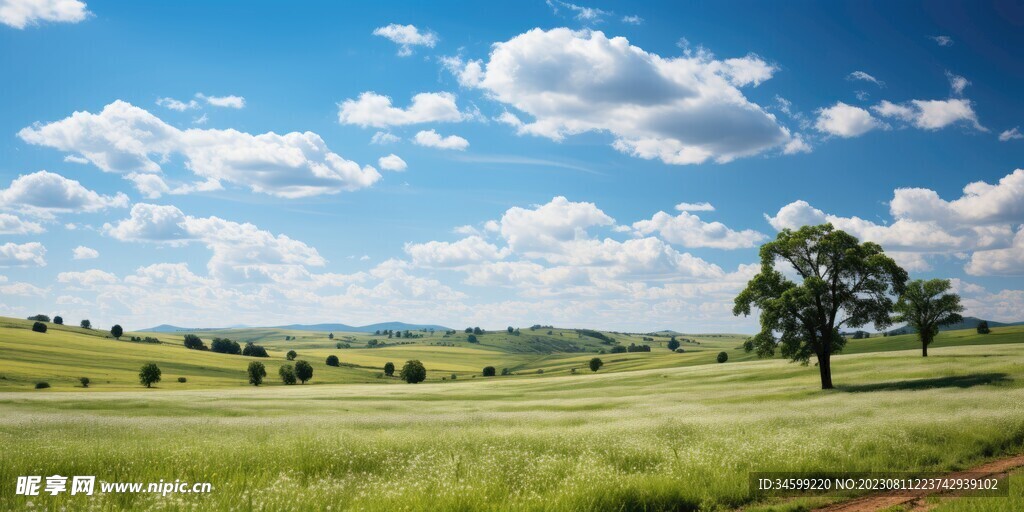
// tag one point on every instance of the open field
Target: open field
(671, 438)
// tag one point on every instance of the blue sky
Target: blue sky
(225, 162)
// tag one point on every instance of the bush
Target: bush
(39, 327)
(673, 344)
(506, 371)
(617, 349)
(540, 371)
(983, 327)
(680, 351)
(488, 371)
(193, 342)
(596, 364)
(85, 324)
(84, 381)
(40, 318)
(58, 320)
(287, 373)
(332, 360)
(225, 346)
(303, 371)
(256, 373)
(723, 357)
(149, 374)
(42, 384)
(472, 338)
(413, 372)
(291, 355)
(253, 350)
(182, 380)
(454, 377)
(389, 368)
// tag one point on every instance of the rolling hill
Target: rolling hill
(394, 326)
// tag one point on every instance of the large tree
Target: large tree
(841, 283)
(926, 306)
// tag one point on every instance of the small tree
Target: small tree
(194, 342)
(287, 373)
(722, 357)
(149, 374)
(510, 329)
(330, 336)
(673, 344)
(389, 368)
(332, 360)
(85, 324)
(983, 327)
(85, 381)
(116, 331)
(926, 306)
(413, 372)
(39, 327)
(472, 338)
(488, 371)
(303, 371)
(253, 350)
(58, 320)
(291, 355)
(256, 373)
(477, 330)
(596, 364)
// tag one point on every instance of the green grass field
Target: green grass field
(650, 431)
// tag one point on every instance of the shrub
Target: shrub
(256, 373)
(303, 371)
(287, 373)
(332, 360)
(472, 338)
(116, 331)
(454, 377)
(42, 384)
(596, 364)
(58, 320)
(413, 372)
(618, 349)
(291, 355)
(85, 324)
(193, 342)
(253, 350)
(149, 374)
(723, 357)
(84, 381)
(540, 371)
(983, 327)
(182, 380)
(39, 327)
(488, 371)
(673, 344)
(506, 371)
(389, 368)
(225, 346)
(680, 351)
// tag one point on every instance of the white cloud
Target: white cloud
(796, 145)
(86, 279)
(633, 20)
(384, 138)
(22, 13)
(545, 227)
(846, 121)
(931, 114)
(688, 230)
(14, 225)
(682, 110)
(372, 109)
(84, 253)
(469, 250)
(127, 139)
(999, 262)
(406, 36)
(695, 207)
(957, 83)
(432, 139)
(981, 203)
(392, 162)
(229, 101)
(468, 73)
(22, 290)
(22, 255)
(587, 15)
(45, 193)
(860, 75)
(942, 40)
(178, 105)
(1011, 134)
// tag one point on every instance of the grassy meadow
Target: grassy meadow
(650, 431)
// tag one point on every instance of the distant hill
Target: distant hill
(969, 322)
(395, 326)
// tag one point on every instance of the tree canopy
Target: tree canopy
(116, 331)
(842, 283)
(413, 372)
(303, 371)
(149, 374)
(926, 306)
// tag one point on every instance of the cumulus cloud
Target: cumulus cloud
(587, 15)
(999, 262)
(632, 20)
(84, 253)
(22, 255)
(126, 139)
(392, 162)
(23, 13)
(688, 230)
(14, 225)
(178, 105)
(695, 207)
(45, 193)
(384, 138)
(846, 121)
(432, 139)
(406, 36)
(469, 250)
(22, 289)
(229, 101)
(931, 114)
(681, 110)
(957, 83)
(86, 279)
(468, 73)
(372, 109)
(1011, 134)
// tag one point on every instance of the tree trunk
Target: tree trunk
(924, 350)
(825, 368)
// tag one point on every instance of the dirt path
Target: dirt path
(915, 502)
